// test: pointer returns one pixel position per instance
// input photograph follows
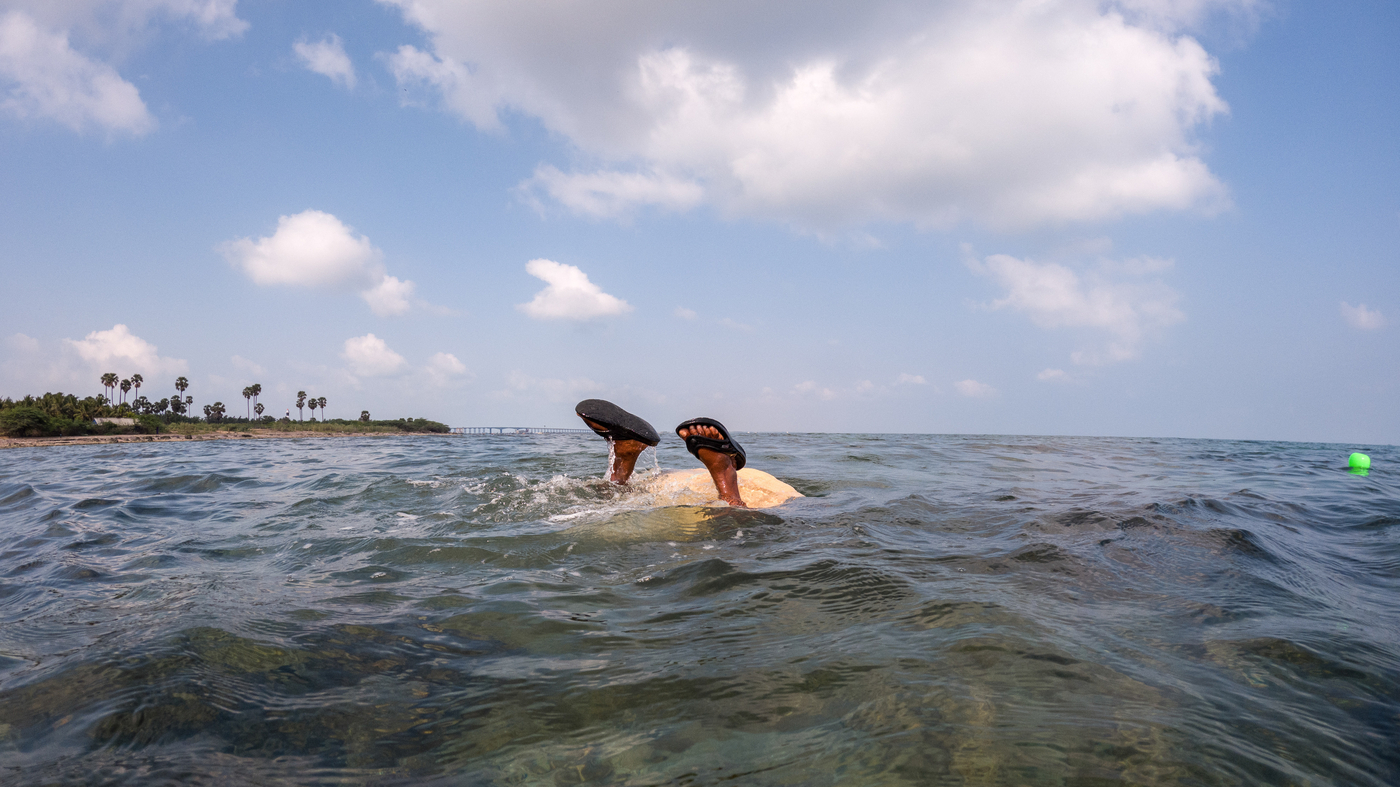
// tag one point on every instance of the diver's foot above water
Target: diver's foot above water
(711, 444)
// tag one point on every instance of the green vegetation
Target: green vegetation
(333, 426)
(60, 414)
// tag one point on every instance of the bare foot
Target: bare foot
(721, 466)
(622, 455)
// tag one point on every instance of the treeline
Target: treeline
(60, 414)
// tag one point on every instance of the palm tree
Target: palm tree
(181, 384)
(126, 387)
(257, 391)
(189, 404)
(248, 397)
(109, 384)
(301, 402)
(313, 404)
(364, 415)
(136, 381)
(258, 408)
(322, 404)
(87, 409)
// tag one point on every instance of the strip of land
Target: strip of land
(253, 434)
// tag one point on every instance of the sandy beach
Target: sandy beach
(256, 434)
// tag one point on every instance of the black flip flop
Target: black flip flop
(728, 445)
(618, 423)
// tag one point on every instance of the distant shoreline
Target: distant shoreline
(254, 434)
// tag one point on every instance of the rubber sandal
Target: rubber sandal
(728, 445)
(618, 423)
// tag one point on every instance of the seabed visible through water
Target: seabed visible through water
(939, 610)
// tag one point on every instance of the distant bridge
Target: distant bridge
(469, 430)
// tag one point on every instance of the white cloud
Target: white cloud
(369, 356)
(390, 297)
(43, 77)
(1053, 376)
(315, 249)
(974, 389)
(56, 57)
(311, 249)
(327, 57)
(569, 296)
(442, 367)
(810, 387)
(1362, 318)
(551, 389)
(22, 343)
(865, 387)
(123, 352)
(735, 325)
(612, 194)
(419, 72)
(239, 362)
(684, 313)
(910, 379)
(1009, 112)
(120, 24)
(1113, 300)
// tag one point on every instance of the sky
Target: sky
(1156, 218)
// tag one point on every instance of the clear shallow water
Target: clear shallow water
(484, 610)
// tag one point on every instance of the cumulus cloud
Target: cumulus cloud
(239, 362)
(1116, 300)
(312, 249)
(315, 249)
(22, 343)
(1053, 376)
(390, 297)
(121, 351)
(684, 313)
(369, 356)
(56, 57)
(327, 57)
(1362, 318)
(44, 77)
(443, 367)
(570, 295)
(974, 389)
(910, 379)
(1007, 112)
(811, 388)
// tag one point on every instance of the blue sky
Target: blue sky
(1139, 217)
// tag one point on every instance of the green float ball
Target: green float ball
(1359, 462)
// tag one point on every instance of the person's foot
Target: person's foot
(721, 466)
(622, 455)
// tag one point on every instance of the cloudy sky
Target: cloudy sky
(1097, 217)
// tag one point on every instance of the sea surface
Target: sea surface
(939, 610)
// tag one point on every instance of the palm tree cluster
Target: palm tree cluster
(313, 403)
(251, 394)
(121, 398)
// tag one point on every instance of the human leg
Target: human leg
(720, 455)
(627, 435)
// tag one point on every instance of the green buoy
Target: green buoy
(1359, 464)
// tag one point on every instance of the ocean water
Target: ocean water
(940, 610)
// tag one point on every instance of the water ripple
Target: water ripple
(938, 610)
